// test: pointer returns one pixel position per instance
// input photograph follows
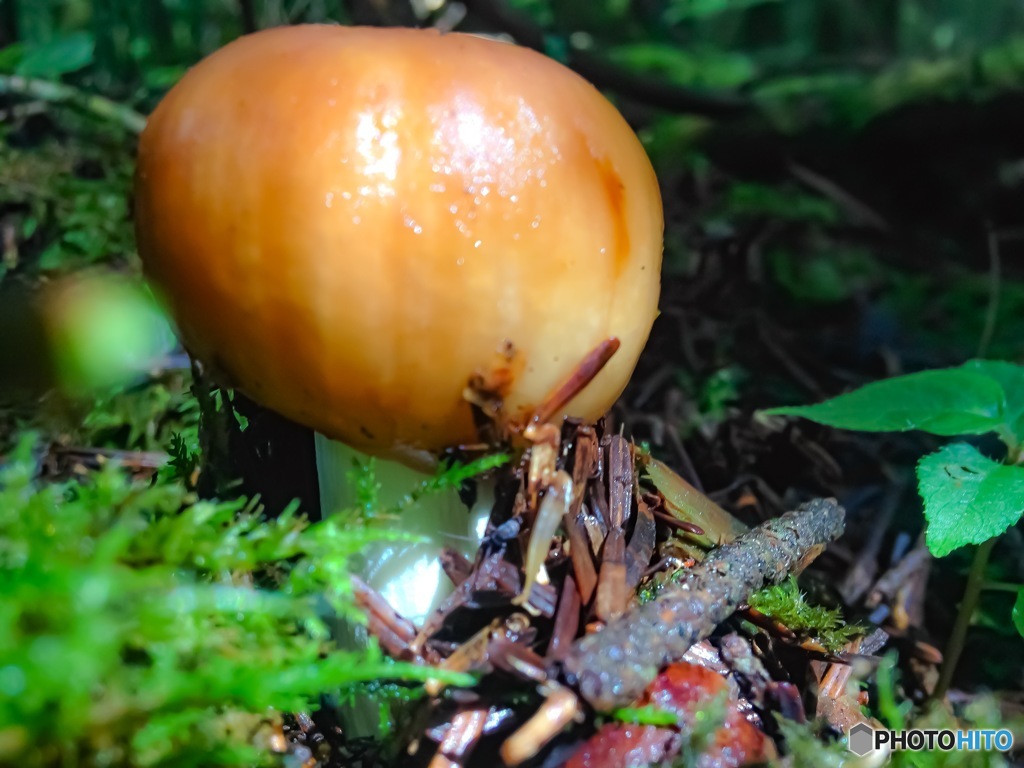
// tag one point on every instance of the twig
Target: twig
(606, 75)
(864, 570)
(135, 461)
(1002, 586)
(465, 731)
(611, 668)
(395, 633)
(560, 709)
(778, 351)
(612, 592)
(58, 93)
(889, 585)
(831, 190)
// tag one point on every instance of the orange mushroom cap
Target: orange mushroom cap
(351, 224)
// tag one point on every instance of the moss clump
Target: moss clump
(788, 605)
(139, 626)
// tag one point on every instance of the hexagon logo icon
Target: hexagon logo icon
(861, 739)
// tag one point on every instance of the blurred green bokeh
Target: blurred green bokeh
(133, 47)
(105, 331)
(82, 335)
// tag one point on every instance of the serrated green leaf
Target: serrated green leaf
(968, 498)
(1011, 378)
(66, 54)
(1018, 613)
(951, 401)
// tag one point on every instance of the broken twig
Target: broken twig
(611, 668)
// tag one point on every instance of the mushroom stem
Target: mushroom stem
(406, 574)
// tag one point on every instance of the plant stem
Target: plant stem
(58, 93)
(995, 281)
(955, 646)
(1001, 586)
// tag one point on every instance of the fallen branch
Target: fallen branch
(58, 93)
(605, 74)
(611, 668)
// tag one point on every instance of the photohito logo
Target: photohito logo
(862, 739)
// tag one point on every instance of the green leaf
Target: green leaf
(1018, 613)
(162, 78)
(59, 57)
(10, 55)
(1011, 378)
(707, 68)
(951, 401)
(968, 498)
(687, 10)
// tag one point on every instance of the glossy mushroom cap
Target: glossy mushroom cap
(351, 224)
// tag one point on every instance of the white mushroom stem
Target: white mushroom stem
(406, 574)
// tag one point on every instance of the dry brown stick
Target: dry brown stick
(567, 619)
(464, 732)
(94, 457)
(640, 549)
(582, 561)
(612, 592)
(394, 633)
(889, 585)
(611, 668)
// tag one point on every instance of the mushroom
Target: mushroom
(367, 229)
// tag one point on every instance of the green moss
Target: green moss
(804, 746)
(787, 604)
(139, 626)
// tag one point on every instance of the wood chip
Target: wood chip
(612, 593)
(567, 620)
(458, 742)
(582, 558)
(557, 711)
(640, 549)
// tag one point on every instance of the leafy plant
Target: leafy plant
(70, 204)
(145, 417)
(60, 56)
(982, 712)
(968, 497)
